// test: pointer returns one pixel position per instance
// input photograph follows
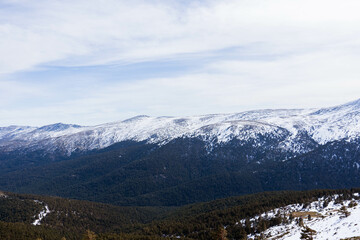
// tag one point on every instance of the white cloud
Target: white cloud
(309, 80)
(298, 53)
(98, 32)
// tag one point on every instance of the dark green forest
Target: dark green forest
(182, 172)
(75, 219)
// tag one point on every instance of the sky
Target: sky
(97, 61)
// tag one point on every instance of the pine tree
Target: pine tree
(307, 233)
(221, 234)
(248, 226)
(300, 222)
(291, 217)
(89, 235)
(345, 213)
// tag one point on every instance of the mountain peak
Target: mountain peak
(136, 118)
(56, 127)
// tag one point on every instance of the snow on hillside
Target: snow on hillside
(330, 219)
(41, 215)
(323, 125)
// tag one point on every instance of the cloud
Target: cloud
(100, 32)
(308, 80)
(245, 54)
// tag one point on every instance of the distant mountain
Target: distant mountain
(175, 161)
(289, 127)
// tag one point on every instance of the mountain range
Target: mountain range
(288, 126)
(179, 160)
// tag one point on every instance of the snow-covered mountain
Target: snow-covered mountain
(288, 126)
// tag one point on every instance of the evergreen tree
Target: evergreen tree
(307, 233)
(89, 235)
(221, 234)
(300, 221)
(345, 213)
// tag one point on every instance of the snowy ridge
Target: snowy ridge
(322, 125)
(330, 219)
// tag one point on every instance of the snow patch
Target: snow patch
(41, 215)
(334, 220)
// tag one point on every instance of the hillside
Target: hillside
(327, 218)
(31, 216)
(169, 161)
(269, 215)
(182, 172)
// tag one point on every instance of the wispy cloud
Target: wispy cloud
(99, 32)
(229, 55)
